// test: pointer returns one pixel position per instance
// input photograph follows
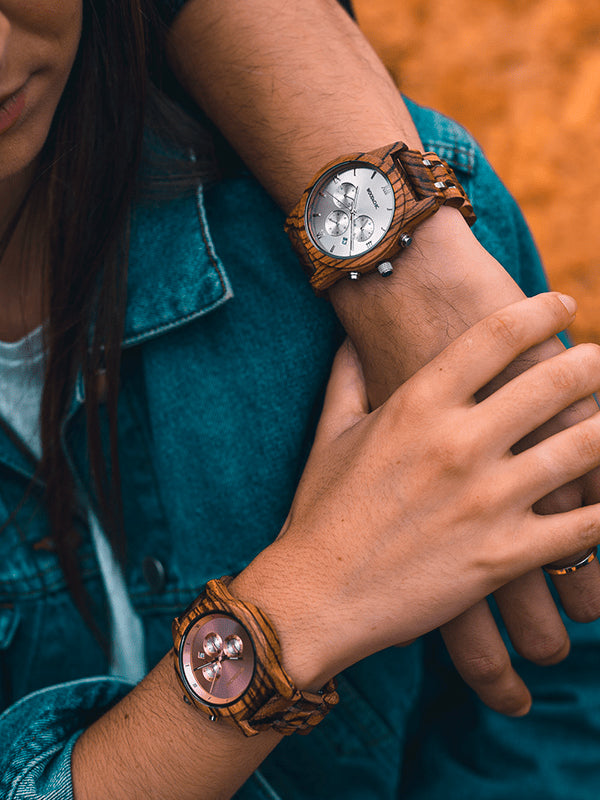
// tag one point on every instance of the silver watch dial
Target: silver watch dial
(350, 210)
(217, 659)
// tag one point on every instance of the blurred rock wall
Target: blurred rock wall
(524, 77)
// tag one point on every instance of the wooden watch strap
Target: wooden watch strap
(271, 700)
(451, 193)
(422, 182)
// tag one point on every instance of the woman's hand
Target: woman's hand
(408, 515)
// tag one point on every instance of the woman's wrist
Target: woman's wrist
(278, 585)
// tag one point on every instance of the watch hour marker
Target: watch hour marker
(373, 174)
(332, 248)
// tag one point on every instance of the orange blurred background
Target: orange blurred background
(524, 77)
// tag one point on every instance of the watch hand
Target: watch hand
(216, 674)
(206, 664)
(337, 200)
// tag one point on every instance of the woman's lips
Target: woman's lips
(11, 109)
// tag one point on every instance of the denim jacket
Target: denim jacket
(225, 355)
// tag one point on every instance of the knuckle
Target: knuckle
(543, 650)
(451, 452)
(588, 352)
(503, 328)
(564, 374)
(576, 365)
(484, 668)
(586, 444)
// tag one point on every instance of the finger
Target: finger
(579, 591)
(539, 394)
(346, 396)
(482, 352)
(548, 538)
(481, 658)
(557, 460)
(532, 620)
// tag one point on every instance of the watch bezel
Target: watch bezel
(325, 178)
(413, 204)
(182, 672)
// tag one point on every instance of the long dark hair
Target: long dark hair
(80, 201)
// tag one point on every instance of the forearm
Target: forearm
(153, 745)
(300, 90)
(291, 85)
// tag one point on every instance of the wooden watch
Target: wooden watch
(360, 210)
(228, 660)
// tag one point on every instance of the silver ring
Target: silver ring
(569, 568)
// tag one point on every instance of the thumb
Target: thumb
(346, 397)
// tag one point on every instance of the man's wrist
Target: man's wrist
(441, 285)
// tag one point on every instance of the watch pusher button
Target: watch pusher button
(385, 269)
(405, 240)
(354, 276)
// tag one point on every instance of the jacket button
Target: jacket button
(154, 574)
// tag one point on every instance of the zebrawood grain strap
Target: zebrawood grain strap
(422, 182)
(271, 701)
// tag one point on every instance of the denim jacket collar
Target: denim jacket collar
(175, 274)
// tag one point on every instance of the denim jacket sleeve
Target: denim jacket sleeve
(39, 732)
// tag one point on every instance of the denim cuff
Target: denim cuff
(38, 733)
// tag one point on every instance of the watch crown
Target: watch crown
(385, 269)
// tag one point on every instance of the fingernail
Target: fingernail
(569, 303)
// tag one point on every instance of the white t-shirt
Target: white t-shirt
(21, 385)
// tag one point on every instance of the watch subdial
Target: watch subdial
(233, 647)
(345, 194)
(337, 223)
(363, 228)
(212, 644)
(212, 671)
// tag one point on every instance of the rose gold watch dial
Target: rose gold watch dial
(217, 659)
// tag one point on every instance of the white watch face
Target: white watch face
(350, 210)
(217, 659)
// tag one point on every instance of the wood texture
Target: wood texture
(271, 700)
(417, 198)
